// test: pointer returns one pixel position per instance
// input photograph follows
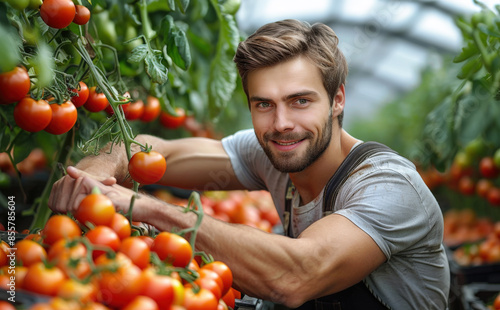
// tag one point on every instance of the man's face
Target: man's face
(291, 113)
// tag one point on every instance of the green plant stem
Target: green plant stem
(41, 207)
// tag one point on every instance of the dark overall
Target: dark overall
(357, 296)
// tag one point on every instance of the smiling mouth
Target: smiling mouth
(287, 143)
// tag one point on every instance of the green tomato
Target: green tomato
(496, 158)
(231, 6)
(475, 148)
(19, 4)
(35, 4)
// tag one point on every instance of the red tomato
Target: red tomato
(202, 300)
(70, 257)
(483, 186)
(5, 305)
(223, 271)
(72, 289)
(14, 85)
(82, 94)
(149, 240)
(172, 248)
(147, 168)
(160, 288)
(60, 227)
(466, 186)
(96, 209)
(57, 13)
(135, 110)
(137, 250)
(488, 168)
(141, 303)
(124, 106)
(229, 298)
(172, 121)
(82, 15)
(103, 236)
(96, 101)
(117, 289)
(43, 280)
(29, 252)
(494, 196)
(32, 115)
(151, 109)
(496, 302)
(63, 118)
(121, 226)
(210, 284)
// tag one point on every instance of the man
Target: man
(380, 248)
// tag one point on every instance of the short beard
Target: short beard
(286, 163)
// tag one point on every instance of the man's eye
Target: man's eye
(263, 104)
(302, 101)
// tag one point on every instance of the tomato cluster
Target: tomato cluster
(481, 252)
(61, 13)
(254, 208)
(471, 173)
(99, 261)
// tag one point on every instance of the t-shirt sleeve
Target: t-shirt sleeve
(247, 158)
(394, 207)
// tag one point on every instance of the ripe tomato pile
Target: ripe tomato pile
(474, 172)
(253, 208)
(98, 260)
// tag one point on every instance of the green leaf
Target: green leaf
(467, 52)
(160, 5)
(154, 67)
(472, 66)
(43, 64)
(139, 53)
(23, 147)
(484, 29)
(9, 53)
(177, 43)
(182, 5)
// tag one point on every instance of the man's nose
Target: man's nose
(283, 119)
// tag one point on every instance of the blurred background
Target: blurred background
(387, 43)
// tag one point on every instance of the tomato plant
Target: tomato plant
(57, 13)
(173, 121)
(32, 115)
(82, 94)
(14, 85)
(147, 167)
(172, 248)
(64, 117)
(96, 209)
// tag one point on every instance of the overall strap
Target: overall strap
(353, 159)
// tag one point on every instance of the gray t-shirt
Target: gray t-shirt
(388, 200)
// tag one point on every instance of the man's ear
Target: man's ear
(339, 101)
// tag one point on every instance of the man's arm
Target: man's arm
(329, 256)
(192, 163)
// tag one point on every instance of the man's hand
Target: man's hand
(68, 192)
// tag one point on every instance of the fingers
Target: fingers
(76, 173)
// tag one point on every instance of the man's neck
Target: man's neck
(310, 182)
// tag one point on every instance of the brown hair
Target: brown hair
(280, 41)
